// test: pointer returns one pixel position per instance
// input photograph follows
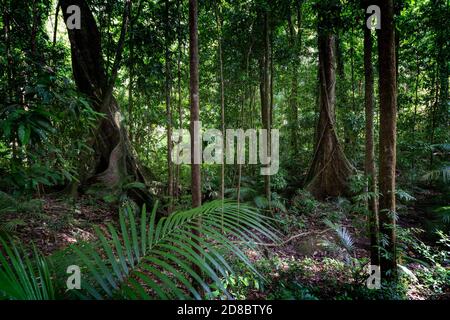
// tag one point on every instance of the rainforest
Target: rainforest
(120, 178)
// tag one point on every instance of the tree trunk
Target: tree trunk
(177, 187)
(369, 166)
(222, 98)
(168, 90)
(265, 92)
(196, 187)
(330, 168)
(55, 29)
(9, 69)
(194, 100)
(442, 58)
(353, 132)
(131, 71)
(388, 119)
(34, 28)
(295, 47)
(113, 160)
(416, 103)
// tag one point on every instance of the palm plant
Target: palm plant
(442, 174)
(23, 277)
(182, 256)
(346, 241)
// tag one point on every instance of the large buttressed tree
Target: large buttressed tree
(330, 169)
(113, 161)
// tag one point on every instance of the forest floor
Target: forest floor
(58, 222)
(309, 257)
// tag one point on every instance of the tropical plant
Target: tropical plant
(24, 277)
(9, 204)
(186, 252)
(346, 242)
(442, 174)
(181, 256)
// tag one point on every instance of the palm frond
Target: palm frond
(344, 236)
(403, 195)
(442, 174)
(11, 226)
(182, 256)
(443, 214)
(24, 276)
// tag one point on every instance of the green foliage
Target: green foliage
(118, 194)
(292, 291)
(10, 204)
(26, 179)
(135, 262)
(46, 125)
(440, 219)
(346, 242)
(442, 174)
(431, 270)
(24, 277)
(27, 127)
(190, 259)
(239, 285)
(276, 203)
(404, 196)
(303, 203)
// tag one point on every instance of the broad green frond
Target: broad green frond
(176, 256)
(24, 276)
(344, 236)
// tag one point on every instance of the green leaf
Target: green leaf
(24, 134)
(148, 253)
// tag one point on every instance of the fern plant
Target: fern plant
(182, 256)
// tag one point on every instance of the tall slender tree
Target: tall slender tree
(388, 137)
(265, 88)
(369, 165)
(194, 101)
(177, 187)
(196, 187)
(168, 92)
(222, 93)
(295, 31)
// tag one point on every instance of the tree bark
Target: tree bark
(177, 185)
(196, 187)
(55, 29)
(442, 58)
(295, 47)
(265, 91)
(369, 166)
(113, 160)
(9, 69)
(330, 169)
(194, 100)
(168, 89)
(388, 122)
(222, 97)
